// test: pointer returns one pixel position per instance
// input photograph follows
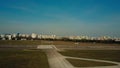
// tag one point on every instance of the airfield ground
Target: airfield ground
(23, 59)
(45, 42)
(37, 58)
(86, 63)
(112, 55)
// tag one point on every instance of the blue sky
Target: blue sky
(61, 17)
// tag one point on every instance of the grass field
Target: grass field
(19, 42)
(85, 63)
(112, 55)
(23, 59)
(45, 42)
(34, 42)
(38, 59)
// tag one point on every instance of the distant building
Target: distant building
(14, 37)
(33, 35)
(8, 37)
(2, 37)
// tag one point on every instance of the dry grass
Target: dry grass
(19, 42)
(45, 42)
(85, 63)
(112, 55)
(23, 59)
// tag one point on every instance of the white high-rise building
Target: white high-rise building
(33, 35)
(8, 36)
(2, 37)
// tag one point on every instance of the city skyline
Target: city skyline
(45, 36)
(61, 17)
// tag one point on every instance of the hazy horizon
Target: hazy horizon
(61, 17)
